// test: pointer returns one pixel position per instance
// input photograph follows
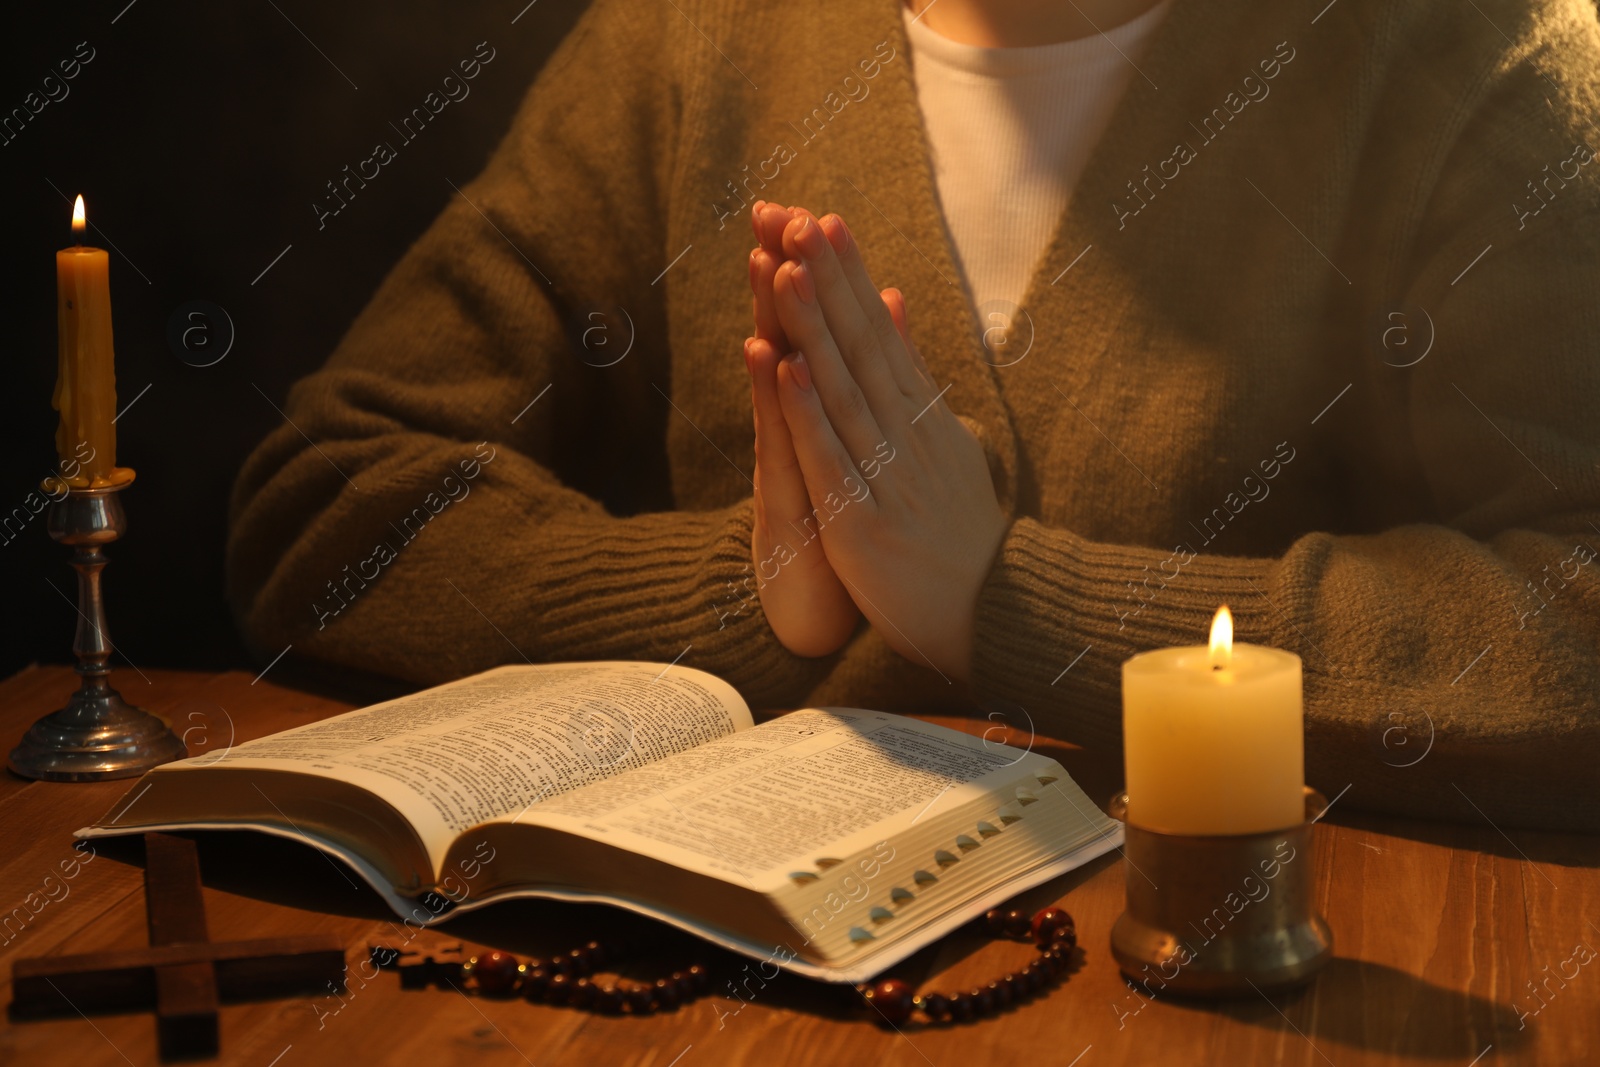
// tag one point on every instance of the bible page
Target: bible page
(498, 743)
(744, 808)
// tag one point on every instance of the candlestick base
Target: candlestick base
(98, 735)
(1220, 916)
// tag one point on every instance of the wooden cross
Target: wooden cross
(181, 974)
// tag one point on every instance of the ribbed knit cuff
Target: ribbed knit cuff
(1058, 615)
(678, 584)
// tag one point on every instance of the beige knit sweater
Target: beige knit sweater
(1315, 338)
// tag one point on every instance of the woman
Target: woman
(1311, 338)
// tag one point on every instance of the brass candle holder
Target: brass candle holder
(98, 735)
(1220, 916)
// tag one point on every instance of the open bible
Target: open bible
(832, 841)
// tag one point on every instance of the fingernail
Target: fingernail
(838, 233)
(798, 368)
(753, 267)
(755, 217)
(800, 278)
(808, 238)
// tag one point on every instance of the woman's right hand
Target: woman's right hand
(806, 604)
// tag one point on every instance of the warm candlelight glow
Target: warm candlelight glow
(79, 221)
(1221, 653)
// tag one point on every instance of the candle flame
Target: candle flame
(1221, 638)
(79, 220)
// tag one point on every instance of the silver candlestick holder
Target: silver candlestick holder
(98, 735)
(1221, 916)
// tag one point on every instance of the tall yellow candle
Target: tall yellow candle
(1214, 737)
(86, 388)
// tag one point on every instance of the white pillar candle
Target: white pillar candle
(1214, 737)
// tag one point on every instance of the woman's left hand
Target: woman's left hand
(900, 487)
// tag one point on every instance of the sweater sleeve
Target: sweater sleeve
(1451, 669)
(432, 505)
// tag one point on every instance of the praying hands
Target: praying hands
(872, 497)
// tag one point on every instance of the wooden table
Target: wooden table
(1442, 933)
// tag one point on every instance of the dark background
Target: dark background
(200, 134)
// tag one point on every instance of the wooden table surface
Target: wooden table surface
(1451, 944)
